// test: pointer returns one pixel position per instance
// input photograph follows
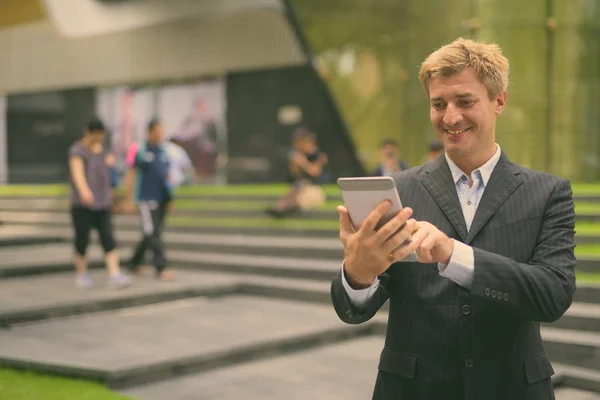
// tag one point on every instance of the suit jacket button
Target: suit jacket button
(466, 309)
(469, 363)
(505, 296)
(493, 293)
(499, 295)
(487, 291)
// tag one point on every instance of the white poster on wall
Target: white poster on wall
(126, 114)
(194, 115)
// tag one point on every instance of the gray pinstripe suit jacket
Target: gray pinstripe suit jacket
(446, 342)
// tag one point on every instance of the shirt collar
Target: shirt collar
(485, 170)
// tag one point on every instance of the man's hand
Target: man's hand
(369, 253)
(434, 245)
(298, 158)
(323, 158)
(87, 197)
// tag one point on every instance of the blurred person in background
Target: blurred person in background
(435, 148)
(90, 168)
(198, 136)
(181, 167)
(307, 168)
(389, 159)
(148, 187)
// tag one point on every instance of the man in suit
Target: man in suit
(494, 245)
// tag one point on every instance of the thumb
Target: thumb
(345, 224)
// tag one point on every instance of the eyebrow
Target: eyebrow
(458, 96)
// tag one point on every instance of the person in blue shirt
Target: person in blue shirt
(149, 188)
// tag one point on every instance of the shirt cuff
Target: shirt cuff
(461, 268)
(359, 297)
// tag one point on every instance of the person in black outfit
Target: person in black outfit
(307, 166)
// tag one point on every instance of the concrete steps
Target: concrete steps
(259, 265)
(186, 336)
(52, 296)
(581, 378)
(340, 371)
(580, 316)
(573, 347)
(262, 227)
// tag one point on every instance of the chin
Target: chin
(454, 150)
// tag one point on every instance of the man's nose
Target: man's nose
(452, 116)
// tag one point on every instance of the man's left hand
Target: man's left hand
(435, 246)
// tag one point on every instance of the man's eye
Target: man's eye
(465, 103)
(438, 106)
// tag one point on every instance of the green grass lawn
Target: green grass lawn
(586, 277)
(183, 203)
(229, 190)
(582, 228)
(197, 190)
(587, 228)
(587, 250)
(15, 385)
(582, 208)
(33, 190)
(586, 189)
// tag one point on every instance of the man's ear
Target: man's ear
(500, 102)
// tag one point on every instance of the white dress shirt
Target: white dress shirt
(461, 267)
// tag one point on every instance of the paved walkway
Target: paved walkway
(344, 371)
(143, 336)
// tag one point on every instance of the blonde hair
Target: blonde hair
(487, 61)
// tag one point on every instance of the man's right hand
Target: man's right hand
(369, 253)
(87, 197)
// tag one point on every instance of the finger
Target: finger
(373, 218)
(345, 223)
(392, 227)
(405, 250)
(424, 257)
(401, 237)
(428, 243)
(422, 230)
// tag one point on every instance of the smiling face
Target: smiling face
(464, 118)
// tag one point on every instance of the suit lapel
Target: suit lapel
(503, 181)
(439, 183)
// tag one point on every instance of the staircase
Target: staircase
(249, 312)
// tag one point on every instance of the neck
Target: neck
(468, 165)
(86, 142)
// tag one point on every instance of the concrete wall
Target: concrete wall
(36, 57)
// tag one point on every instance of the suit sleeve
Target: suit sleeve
(350, 313)
(541, 290)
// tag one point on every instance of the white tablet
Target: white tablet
(363, 195)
